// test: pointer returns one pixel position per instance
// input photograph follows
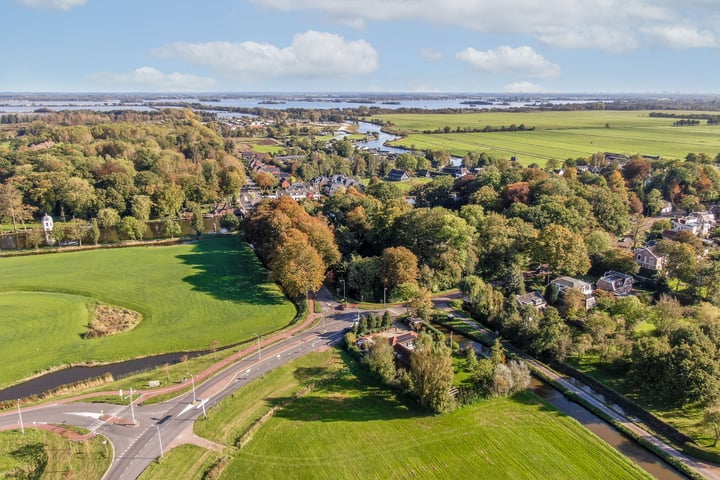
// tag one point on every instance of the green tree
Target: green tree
(229, 221)
(75, 230)
(421, 305)
(196, 222)
(398, 265)
(95, 231)
(711, 418)
(381, 361)
(431, 370)
(170, 228)
(108, 218)
(132, 228)
(141, 206)
(35, 238)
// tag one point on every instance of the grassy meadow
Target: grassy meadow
(189, 296)
(42, 454)
(320, 417)
(557, 135)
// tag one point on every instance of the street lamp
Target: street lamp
(343, 282)
(162, 454)
(192, 377)
(259, 347)
(22, 427)
(384, 294)
(132, 408)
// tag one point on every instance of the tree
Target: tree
(381, 361)
(398, 265)
(229, 221)
(132, 228)
(431, 370)
(108, 218)
(35, 238)
(421, 305)
(95, 231)
(564, 250)
(141, 205)
(12, 206)
(196, 222)
(296, 265)
(170, 228)
(711, 417)
(75, 229)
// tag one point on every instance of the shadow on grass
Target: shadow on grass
(344, 393)
(33, 454)
(228, 270)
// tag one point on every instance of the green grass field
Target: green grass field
(189, 296)
(185, 462)
(558, 135)
(39, 454)
(341, 426)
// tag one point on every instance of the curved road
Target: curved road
(137, 445)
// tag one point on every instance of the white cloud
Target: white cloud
(524, 87)
(151, 79)
(614, 25)
(311, 55)
(53, 4)
(680, 37)
(429, 54)
(507, 60)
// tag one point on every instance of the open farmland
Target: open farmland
(189, 296)
(558, 135)
(330, 422)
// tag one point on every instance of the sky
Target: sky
(373, 46)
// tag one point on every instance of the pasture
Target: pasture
(320, 417)
(42, 454)
(189, 296)
(557, 135)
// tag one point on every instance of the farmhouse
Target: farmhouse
(403, 346)
(615, 282)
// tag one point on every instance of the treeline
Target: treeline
(485, 129)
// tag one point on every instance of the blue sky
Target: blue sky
(561, 46)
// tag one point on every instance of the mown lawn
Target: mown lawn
(346, 427)
(188, 295)
(185, 462)
(46, 455)
(557, 135)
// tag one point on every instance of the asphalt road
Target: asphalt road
(136, 446)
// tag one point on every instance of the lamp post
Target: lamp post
(384, 294)
(343, 282)
(259, 347)
(192, 378)
(22, 427)
(132, 407)
(162, 454)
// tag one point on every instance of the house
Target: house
(564, 283)
(423, 173)
(615, 282)
(454, 171)
(649, 260)
(396, 175)
(666, 207)
(699, 223)
(403, 346)
(533, 298)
